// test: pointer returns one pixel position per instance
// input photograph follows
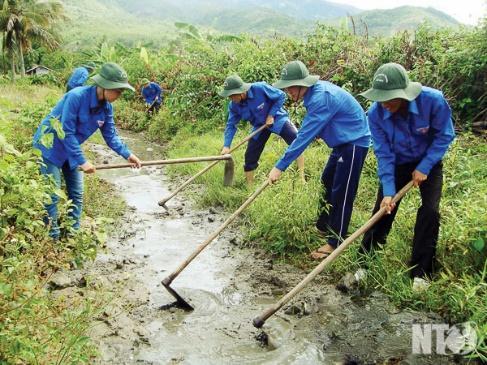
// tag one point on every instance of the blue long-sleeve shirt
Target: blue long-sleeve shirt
(333, 115)
(423, 135)
(151, 92)
(81, 114)
(262, 100)
(78, 77)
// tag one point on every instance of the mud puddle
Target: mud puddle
(228, 286)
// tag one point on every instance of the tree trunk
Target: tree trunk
(12, 67)
(22, 64)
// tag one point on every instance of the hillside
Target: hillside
(200, 10)
(93, 20)
(389, 21)
(152, 20)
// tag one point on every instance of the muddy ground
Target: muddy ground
(228, 286)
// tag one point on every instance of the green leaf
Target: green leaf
(8, 148)
(47, 140)
(58, 127)
(144, 55)
(5, 289)
(478, 244)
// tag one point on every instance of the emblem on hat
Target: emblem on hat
(381, 78)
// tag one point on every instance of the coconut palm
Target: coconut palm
(25, 21)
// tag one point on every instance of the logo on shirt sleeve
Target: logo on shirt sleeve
(423, 130)
(100, 123)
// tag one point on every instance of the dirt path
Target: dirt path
(228, 286)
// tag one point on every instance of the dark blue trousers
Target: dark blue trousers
(340, 180)
(255, 147)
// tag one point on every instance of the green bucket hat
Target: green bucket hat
(295, 73)
(234, 85)
(112, 76)
(144, 81)
(391, 81)
(90, 66)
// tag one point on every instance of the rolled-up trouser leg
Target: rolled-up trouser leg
(254, 149)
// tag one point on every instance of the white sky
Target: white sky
(465, 11)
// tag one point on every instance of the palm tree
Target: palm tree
(25, 21)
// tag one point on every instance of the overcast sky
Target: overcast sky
(466, 11)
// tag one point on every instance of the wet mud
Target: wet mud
(228, 286)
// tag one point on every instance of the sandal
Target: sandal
(322, 252)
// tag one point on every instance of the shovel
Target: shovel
(259, 321)
(180, 302)
(163, 201)
(227, 177)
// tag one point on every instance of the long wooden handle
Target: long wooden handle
(229, 220)
(163, 201)
(259, 321)
(167, 162)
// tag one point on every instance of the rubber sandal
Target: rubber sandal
(321, 253)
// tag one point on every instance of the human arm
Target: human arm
(231, 127)
(277, 98)
(441, 127)
(110, 135)
(386, 158)
(319, 113)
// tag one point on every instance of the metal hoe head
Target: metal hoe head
(258, 322)
(229, 172)
(180, 302)
(162, 203)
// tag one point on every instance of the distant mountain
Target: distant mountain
(152, 20)
(199, 9)
(237, 16)
(390, 21)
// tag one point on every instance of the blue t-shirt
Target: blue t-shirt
(422, 136)
(151, 92)
(333, 115)
(81, 114)
(262, 100)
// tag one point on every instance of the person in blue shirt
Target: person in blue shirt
(152, 94)
(333, 115)
(79, 114)
(411, 128)
(80, 75)
(259, 103)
